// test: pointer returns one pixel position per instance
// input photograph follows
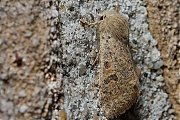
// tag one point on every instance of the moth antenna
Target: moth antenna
(89, 24)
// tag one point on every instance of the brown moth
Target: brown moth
(119, 80)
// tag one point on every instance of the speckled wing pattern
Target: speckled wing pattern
(119, 83)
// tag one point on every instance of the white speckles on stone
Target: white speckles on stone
(81, 97)
(158, 64)
(53, 29)
(36, 91)
(6, 105)
(82, 69)
(160, 78)
(22, 93)
(175, 25)
(153, 42)
(170, 111)
(4, 76)
(23, 108)
(54, 13)
(85, 109)
(28, 33)
(35, 42)
(155, 54)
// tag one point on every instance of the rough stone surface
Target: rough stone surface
(72, 83)
(76, 45)
(164, 20)
(23, 49)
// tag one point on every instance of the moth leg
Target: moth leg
(96, 59)
(138, 71)
(94, 23)
(130, 114)
(130, 45)
(133, 48)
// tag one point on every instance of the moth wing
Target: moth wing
(119, 88)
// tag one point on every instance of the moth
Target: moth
(119, 77)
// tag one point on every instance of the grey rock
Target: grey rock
(36, 91)
(160, 78)
(159, 72)
(6, 105)
(23, 108)
(22, 93)
(1, 59)
(3, 76)
(35, 42)
(170, 111)
(82, 69)
(41, 103)
(158, 64)
(28, 34)
(79, 98)
(155, 54)
(175, 25)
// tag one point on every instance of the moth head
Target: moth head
(116, 24)
(107, 15)
(102, 17)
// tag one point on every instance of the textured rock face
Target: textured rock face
(164, 24)
(23, 39)
(78, 46)
(72, 82)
